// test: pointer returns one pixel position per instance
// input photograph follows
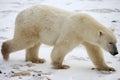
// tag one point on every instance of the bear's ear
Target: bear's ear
(112, 29)
(100, 33)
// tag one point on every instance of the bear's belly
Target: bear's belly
(49, 38)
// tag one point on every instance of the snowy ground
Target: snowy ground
(105, 11)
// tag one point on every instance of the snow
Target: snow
(106, 12)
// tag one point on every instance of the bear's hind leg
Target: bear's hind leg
(5, 51)
(32, 54)
(95, 53)
(14, 45)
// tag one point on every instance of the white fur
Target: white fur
(62, 29)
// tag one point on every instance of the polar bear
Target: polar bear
(62, 29)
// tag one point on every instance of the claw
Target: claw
(105, 69)
(37, 61)
(61, 67)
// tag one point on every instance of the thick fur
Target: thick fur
(62, 29)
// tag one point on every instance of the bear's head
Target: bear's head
(96, 33)
(107, 41)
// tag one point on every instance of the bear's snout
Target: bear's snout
(114, 51)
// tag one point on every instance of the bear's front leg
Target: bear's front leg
(95, 53)
(57, 57)
(62, 47)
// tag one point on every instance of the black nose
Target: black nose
(115, 53)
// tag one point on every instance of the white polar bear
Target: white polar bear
(62, 29)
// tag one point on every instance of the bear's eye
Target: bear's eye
(100, 33)
(110, 43)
